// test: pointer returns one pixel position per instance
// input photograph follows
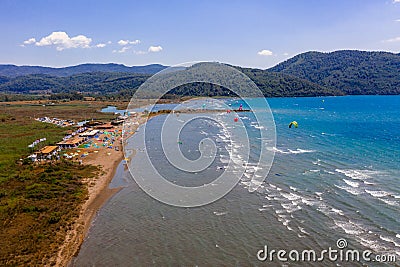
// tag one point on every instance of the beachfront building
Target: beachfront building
(89, 134)
(105, 126)
(117, 122)
(47, 152)
(71, 143)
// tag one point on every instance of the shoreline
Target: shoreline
(98, 194)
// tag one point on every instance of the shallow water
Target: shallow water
(336, 176)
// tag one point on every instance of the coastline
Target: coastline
(98, 194)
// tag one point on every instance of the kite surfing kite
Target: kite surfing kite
(293, 123)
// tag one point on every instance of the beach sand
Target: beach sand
(98, 194)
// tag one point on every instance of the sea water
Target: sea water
(335, 176)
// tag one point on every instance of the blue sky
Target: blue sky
(246, 33)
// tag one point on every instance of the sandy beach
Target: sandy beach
(98, 194)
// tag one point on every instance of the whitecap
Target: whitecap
(303, 230)
(317, 162)
(370, 243)
(290, 196)
(297, 208)
(245, 183)
(350, 190)
(351, 183)
(259, 127)
(349, 228)
(295, 189)
(390, 202)
(377, 193)
(307, 202)
(287, 206)
(359, 174)
(300, 151)
(338, 211)
(277, 150)
(218, 213)
(390, 240)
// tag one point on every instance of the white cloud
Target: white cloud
(30, 41)
(125, 42)
(100, 45)
(122, 50)
(140, 52)
(155, 49)
(396, 1)
(397, 20)
(265, 52)
(392, 40)
(285, 54)
(122, 42)
(62, 41)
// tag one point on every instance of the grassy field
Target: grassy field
(38, 203)
(75, 110)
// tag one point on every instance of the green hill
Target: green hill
(14, 71)
(308, 74)
(107, 83)
(352, 72)
(90, 83)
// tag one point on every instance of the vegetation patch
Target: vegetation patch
(38, 202)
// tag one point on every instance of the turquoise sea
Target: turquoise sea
(335, 176)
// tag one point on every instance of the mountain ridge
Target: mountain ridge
(350, 71)
(342, 72)
(12, 71)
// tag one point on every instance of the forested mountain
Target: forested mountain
(90, 83)
(352, 72)
(14, 71)
(271, 84)
(279, 84)
(307, 74)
